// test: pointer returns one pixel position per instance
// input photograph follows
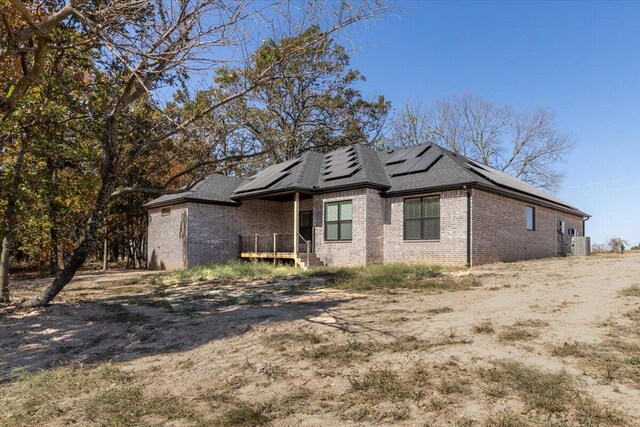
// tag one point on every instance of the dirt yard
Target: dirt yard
(550, 342)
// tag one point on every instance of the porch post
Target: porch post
(296, 215)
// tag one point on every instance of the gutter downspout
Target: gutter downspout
(584, 226)
(468, 190)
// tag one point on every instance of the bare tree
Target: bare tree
(526, 145)
(616, 244)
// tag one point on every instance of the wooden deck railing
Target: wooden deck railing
(273, 246)
(268, 243)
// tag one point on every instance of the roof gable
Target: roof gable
(214, 188)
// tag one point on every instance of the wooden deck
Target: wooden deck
(274, 255)
(277, 247)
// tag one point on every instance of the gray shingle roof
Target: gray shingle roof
(214, 188)
(419, 168)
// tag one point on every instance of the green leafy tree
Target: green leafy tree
(149, 46)
(310, 101)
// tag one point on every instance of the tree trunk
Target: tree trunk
(54, 262)
(108, 174)
(4, 270)
(9, 221)
(105, 253)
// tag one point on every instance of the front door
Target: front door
(306, 226)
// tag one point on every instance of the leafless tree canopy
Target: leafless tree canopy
(524, 144)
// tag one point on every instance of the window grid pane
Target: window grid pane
(332, 212)
(412, 209)
(345, 230)
(431, 228)
(412, 229)
(431, 207)
(345, 211)
(332, 231)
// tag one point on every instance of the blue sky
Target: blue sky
(581, 60)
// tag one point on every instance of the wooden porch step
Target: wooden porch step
(314, 261)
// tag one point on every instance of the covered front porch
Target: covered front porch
(282, 230)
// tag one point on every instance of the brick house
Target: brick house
(356, 206)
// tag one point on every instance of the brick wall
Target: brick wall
(353, 252)
(167, 238)
(214, 229)
(213, 233)
(374, 225)
(451, 248)
(500, 232)
(196, 233)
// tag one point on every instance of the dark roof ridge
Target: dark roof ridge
(368, 171)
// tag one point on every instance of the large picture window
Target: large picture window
(338, 220)
(422, 218)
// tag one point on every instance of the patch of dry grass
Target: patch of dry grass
(389, 277)
(386, 394)
(85, 395)
(631, 291)
(439, 310)
(616, 358)
(611, 360)
(283, 341)
(232, 270)
(521, 330)
(547, 391)
(242, 415)
(506, 418)
(554, 393)
(355, 351)
(105, 395)
(370, 278)
(484, 327)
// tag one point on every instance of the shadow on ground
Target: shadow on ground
(123, 323)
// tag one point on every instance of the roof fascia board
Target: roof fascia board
(179, 200)
(306, 190)
(499, 191)
(421, 190)
(532, 199)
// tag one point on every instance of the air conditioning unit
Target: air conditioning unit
(581, 246)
